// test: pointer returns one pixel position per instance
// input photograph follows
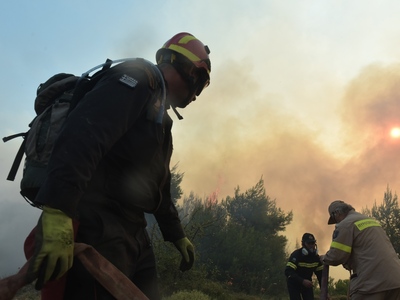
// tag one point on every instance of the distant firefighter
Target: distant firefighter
(302, 264)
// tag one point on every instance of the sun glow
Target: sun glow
(395, 132)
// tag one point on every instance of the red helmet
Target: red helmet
(190, 47)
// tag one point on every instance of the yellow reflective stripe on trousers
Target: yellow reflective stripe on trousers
(340, 246)
(366, 223)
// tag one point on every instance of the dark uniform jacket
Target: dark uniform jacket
(300, 267)
(112, 153)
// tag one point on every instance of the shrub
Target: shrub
(184, 295)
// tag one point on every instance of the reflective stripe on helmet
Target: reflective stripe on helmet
(188, 46)
(185, 52)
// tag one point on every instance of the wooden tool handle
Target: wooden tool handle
(324, 283)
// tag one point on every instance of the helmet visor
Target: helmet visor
(197, 78)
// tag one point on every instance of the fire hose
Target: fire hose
(112, 279)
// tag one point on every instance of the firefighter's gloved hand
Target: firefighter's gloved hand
(54, 246)
(307, 283)
(186, 249)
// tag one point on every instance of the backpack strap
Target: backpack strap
(18, 156)
(10, 137)
(87, 82)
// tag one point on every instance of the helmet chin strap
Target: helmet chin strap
(176, 112)
(188, 98)
(193, 86)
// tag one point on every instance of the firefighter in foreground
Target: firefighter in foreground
(109, 166)
(302, 264)
(361, 245)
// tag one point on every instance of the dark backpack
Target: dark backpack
(55, 99)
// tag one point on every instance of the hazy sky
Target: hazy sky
(303, 94)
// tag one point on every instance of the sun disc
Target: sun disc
(395, 132)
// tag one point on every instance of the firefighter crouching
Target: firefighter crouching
(302, 264)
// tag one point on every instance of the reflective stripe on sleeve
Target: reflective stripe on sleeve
(320, 268)
(340, 246)
(292, 265)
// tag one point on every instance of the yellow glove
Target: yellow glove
(54, 246)
(186, 249)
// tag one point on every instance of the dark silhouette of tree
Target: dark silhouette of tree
(239, 237)
(388, 215)
(176, 180)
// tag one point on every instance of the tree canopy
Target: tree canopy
(388, 215)
(237, 241)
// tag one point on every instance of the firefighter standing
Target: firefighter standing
(302, 264)
(110, 165)
(362, 246)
